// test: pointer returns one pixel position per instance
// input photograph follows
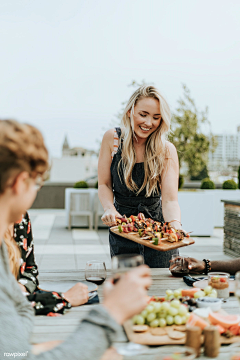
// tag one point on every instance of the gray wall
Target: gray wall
(51, 196)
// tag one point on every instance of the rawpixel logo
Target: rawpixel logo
(15, 354)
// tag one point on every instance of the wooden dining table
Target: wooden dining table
(59, 328)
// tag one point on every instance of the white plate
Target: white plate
(63, 286)
(203, 283)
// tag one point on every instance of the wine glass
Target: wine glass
(123, 263)
(95, 272)
(120, 265)
(179, 265)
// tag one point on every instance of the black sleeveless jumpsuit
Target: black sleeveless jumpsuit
(128, 203)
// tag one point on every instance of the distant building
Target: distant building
(227, 153)
(75, 164)
(75, 151)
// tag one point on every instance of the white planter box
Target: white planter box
(219, 206)
(201, 210)
(197, 211)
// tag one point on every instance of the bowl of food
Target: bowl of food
(214, 304)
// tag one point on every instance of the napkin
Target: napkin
(94, 300)
(189, 280)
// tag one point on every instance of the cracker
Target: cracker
(181, 328)
(140, 328)
(158, 331)
(176, 335)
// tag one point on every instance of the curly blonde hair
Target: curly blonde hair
(22, 148)
(156, 150)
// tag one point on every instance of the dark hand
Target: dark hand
(195, 266)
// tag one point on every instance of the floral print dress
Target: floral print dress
(45, 302)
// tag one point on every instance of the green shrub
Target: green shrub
(180, 181)
(229, 184)
(81, 185)
(207, 184)
(203, 174)
(96, 185)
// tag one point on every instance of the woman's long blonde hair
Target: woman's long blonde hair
(13, 252)
(156, 150)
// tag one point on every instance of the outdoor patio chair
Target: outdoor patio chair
(80, 205)
(98, 211)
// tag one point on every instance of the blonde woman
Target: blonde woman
(138, 171)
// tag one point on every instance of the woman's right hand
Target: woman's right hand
(109, 217)
(195, 266)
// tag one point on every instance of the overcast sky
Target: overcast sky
(65, 66)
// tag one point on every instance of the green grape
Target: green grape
(177, 293)
(187, 315)
(144, 313)
(169, 320)
(208, 289)
(214, 291)
(199, 294)
(162, 322)
(175, 303)
(154, 323)
(149, 308)
(171, 297)
(140, 320)
(169, 292)
(172, 311)
(213, 295)
(157, 307)
(178, 320)
(151, 317)
(184, 320)
(182, 310)
(134, 319)
(162, 314)
(165, 305)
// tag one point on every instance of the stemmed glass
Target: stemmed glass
(123, 263)
(120, 265)
(178, 265)
(95, 272)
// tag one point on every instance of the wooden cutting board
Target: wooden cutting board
(164, 246)
(146, 338)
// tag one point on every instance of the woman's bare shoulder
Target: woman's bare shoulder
(171, 150)
(108, 136)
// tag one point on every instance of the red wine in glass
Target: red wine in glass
(96, 279)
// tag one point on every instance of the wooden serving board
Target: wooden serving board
(164, 246)
(146, 338)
